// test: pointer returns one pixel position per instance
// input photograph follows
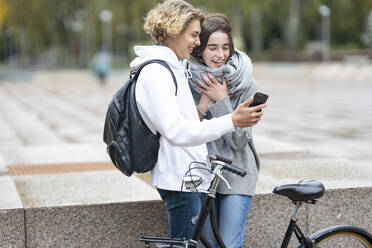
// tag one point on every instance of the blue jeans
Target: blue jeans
(231, 216)
(183, 211)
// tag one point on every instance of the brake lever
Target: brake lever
(223, 179)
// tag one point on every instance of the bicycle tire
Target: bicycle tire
(341, 236)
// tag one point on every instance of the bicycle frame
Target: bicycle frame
(305, 191)
(294, 228)
(208, 209)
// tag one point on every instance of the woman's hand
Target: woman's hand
(212, 88)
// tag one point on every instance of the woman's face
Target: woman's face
(184, 43)
(217, 50)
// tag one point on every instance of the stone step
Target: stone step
(107, 209)
(12, 228)
(96, 187)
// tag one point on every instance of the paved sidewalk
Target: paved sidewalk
(314, 106)
(55, 171)
(325, 108)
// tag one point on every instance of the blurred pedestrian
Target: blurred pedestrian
(101, 66)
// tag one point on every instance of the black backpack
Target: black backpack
(131, 145)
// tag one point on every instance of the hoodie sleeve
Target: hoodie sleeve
(158, 106)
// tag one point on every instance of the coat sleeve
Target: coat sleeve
(159, 108)
(238, 139)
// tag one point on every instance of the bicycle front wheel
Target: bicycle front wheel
(342, 236)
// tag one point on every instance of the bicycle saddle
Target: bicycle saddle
(304, 190)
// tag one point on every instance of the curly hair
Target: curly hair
(169, 19)
(213, 23)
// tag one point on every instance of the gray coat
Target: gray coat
(238, 145)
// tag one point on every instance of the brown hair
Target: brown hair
(169, 19)
(213, 23)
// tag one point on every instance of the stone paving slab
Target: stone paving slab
(9, 198)
(343, 72)
(56, 154)
(332, 117)
(40, 169)
(300, 109)
(3, 168)
(267, 145)
(82, 189)
(36, 133)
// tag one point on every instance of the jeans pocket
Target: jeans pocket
(172, 199)
(172, 205)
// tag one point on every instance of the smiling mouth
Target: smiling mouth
(219, 63)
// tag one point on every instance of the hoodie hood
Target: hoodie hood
(146, 53)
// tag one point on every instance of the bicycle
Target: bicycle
(305, 191)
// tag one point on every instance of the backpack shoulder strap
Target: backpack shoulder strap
(158, 61)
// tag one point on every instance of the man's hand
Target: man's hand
(245, 116)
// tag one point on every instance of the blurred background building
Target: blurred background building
(53, 34)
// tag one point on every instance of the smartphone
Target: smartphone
(258, 99)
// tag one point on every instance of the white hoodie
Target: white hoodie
(183, 136)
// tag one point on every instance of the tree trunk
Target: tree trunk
(236, 22)
(256, 29)
(293, 24)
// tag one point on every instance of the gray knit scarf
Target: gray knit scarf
(237, 71)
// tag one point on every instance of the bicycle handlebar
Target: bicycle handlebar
(228, 166)
(234, 169)
(220, 158)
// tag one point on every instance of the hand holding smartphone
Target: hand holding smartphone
(258, 99)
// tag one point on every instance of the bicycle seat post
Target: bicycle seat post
(292, 225)
(295, 210)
